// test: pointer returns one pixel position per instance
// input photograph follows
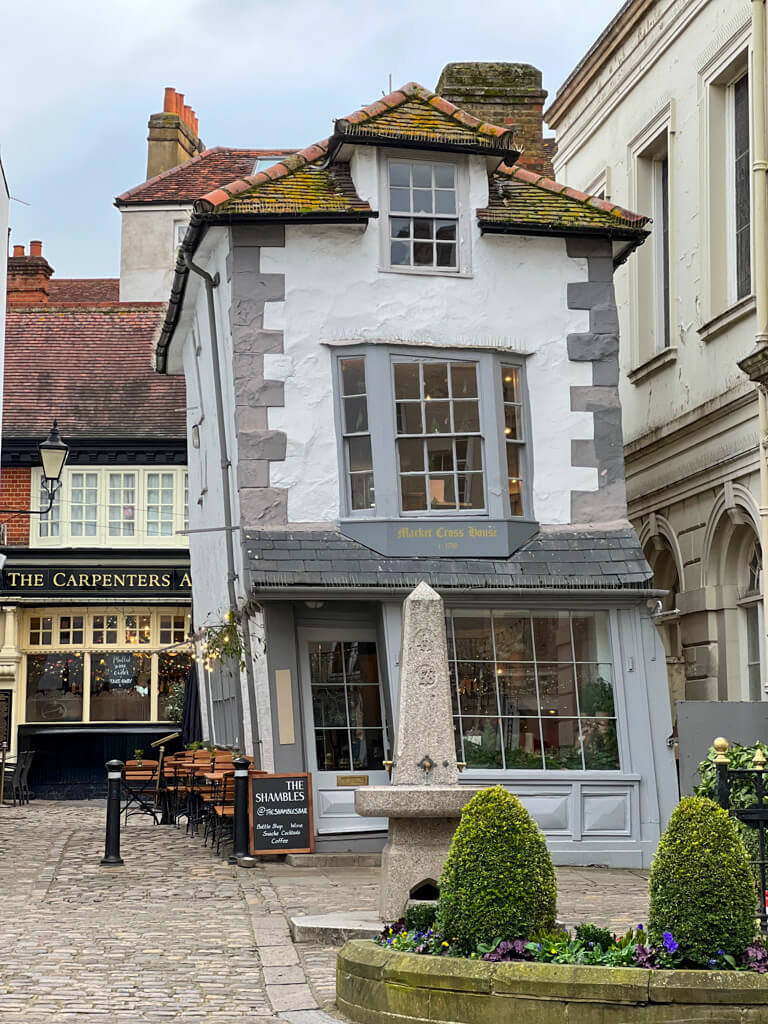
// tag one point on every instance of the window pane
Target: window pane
(470, 491)
(512, 425)
(120, 687)
(591, 641)
(482, 742)
(438, 417)
(400, 227)
(332, 747)
(445, 175)
(422, 201)
(445, 202)
(353, 376)
(742, 173)
(445, 230)
(400, 174)
(442, 492)
(435, 380)
(440, 454)
(355, 415)
(469, 453)
(463, 380)
(522, 743)
(360, 454)
(476, 688)
(362, 491)
(364, 706)
(411, 455)
(446, 255)
(422, 175)
(595, 691)
(172, 671)
(367, 749)
(414, 493)
(400, 254)
(562, 742)
(552, 636)
(513, 636)
(422, 228)
(557, 690)
(409, 418)
(601, 747)
(400, 200)
(329, 707)
(517, 689)
(510, 380)
(515, 498)
(423, 254)
(54, 687)
(407, 380)
(466, 417)
(472, 635)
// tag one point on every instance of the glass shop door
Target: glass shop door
(344, 723)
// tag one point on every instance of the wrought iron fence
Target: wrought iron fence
(754, 816)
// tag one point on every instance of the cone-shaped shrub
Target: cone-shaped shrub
(702, 888)
(498, 881)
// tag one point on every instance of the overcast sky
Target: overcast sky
(81, 77)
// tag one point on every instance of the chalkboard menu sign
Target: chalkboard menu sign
(281, 814)
(121, 670)
(6, 706)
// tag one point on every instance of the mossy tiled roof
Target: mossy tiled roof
(518, 198)
(310, 183)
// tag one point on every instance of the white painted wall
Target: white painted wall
(514, 300)
(148, 251)
(664, 64)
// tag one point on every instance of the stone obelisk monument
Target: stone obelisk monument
(424, 802)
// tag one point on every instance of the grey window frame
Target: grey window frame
(379, 368)
(463, 210)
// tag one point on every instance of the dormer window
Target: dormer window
(423, 215)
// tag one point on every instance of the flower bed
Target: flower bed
(375, 983)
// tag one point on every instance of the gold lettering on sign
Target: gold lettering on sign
(166, 579)
(443, 531)
(58, 579)
(351, 780)
(185, 580)
(154, 580)
(413, 533)
(487, 531)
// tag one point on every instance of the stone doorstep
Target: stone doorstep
(334, 860)
(335, 929)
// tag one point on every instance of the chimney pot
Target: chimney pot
(187, 116)
(180, 104)
(169, 102)
(18, 250)
(35, 248)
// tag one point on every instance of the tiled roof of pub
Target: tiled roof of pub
(412, 114)
(91, 368)
(84, 289)
(557, 558)
(517, 196)
(191, 180)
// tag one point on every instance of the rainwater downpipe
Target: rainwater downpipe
(210, 284)
(760, 273)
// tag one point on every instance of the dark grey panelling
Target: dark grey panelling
(559, 557)
(599, 346)
(257, 445)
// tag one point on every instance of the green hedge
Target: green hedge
(701, 886)
(498, 881)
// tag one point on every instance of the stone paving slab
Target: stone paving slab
(179, 934)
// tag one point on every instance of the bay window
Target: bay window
(442, 433)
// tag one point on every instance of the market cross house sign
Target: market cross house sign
(447, 538)
(27, 581)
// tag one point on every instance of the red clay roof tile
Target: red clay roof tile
(201, 174)
(91, 367)
(84, 289)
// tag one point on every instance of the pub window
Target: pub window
(513, 435)
(160, 504)
(532, 690)
(105, 629)
(50, 521)
(70, 629)
(110, 655)
(40, 631)
(84, 499)
(122, 504)
(172, 629)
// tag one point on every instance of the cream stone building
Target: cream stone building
(666, 114)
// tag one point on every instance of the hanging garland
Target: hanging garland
(223, 641)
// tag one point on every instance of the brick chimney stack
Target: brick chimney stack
(503, 94)
(28, 276)
(173, 137)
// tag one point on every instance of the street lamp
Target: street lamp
(53, 454)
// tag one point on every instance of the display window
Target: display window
(103, 664)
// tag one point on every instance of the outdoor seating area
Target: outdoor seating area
(196, 788)
(15, 779)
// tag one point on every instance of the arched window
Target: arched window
(751, 603)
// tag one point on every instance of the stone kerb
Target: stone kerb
(375, 984)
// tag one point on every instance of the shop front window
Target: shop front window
(54, 687)
(532, 690)
(120, 687)
(172, 670)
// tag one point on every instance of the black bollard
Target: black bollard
(112, 841)
(240, 823)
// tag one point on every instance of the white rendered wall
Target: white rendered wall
(664, 65)
(148, 251)
(515, 300)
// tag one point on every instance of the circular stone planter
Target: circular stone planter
(375, 985)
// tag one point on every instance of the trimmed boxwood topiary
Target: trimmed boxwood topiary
(498, 881)
(701, 888)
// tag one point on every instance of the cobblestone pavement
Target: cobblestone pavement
(177, 934)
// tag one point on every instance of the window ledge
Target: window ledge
(653, 365)
(738, 311)
(426, 272)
